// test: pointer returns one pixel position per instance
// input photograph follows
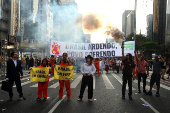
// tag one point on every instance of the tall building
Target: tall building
(124, 20)
(159, 21)
(68, 22)
(149, 28)
(45, 23)
(130, 23)
(87, 38)
(30, 43)
(9, 30)
(167, 38)
(143, 8)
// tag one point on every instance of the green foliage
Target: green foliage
(144, 44)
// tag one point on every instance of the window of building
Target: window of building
(3, 24)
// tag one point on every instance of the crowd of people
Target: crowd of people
(130, 66)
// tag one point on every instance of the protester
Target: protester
(52, 61)
(102, 65)
(118, 65)
(64, 62)
(127, 73)
(97, 62)
(155, 77)
(114, 65)
(35, 61)
(38, 61)
(107, 63)
(23, 62)
(14, 70)
(142, 67)
(43, 86)
(168, 71)
(27, 63)
(87, 69)
(31, 61)
(164, 65)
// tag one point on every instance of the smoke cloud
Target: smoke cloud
(115, 33)
(92, 22)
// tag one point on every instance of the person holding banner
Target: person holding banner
(64, 62)
(52, 61)
(107, 63)
(127, 73)
(96, 62)
(43, 86)
(87, 69)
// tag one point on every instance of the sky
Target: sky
(113, 10)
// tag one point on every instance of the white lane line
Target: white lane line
(76, 81)
(141, 84)
(24, 78)
(54, 85)
(155, 111)
(94, 81)
(22, 84)
(120, 81)
(56, 105)
(36, 85)
(161, 85)
(107, 82)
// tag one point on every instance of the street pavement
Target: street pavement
(107, 97)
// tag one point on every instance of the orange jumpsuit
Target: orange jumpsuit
(66, 82)
(97, 67)
(52, 61)
(42, 88)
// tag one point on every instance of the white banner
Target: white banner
(97, 50)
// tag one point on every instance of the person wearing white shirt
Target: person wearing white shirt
(87, 69)
(118, 65)
(102, 65)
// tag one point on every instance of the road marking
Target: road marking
(107, 82)
(56, 105)
(54, 85)
(141, 84)
(94, 80)
(22, 84)
(149, 105)
(36, 85)
(24, 78)
(76, 81)
(120, 81)
(161, 85)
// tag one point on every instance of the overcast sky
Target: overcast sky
(113, 10)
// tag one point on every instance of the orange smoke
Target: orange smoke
(115, 33)
(91, 22)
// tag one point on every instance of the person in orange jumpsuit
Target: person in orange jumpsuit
(97, 62)
(52, 61)
(64, 62)
(43, 86)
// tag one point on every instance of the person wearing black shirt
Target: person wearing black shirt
(38, 62)
(128, 72)
(27, 63)
(31, 62)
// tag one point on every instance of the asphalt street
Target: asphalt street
(106, 98)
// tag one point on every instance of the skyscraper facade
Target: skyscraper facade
(159, 21)
(124, 20)
(130, 23)
(167, 36)
(143, 8)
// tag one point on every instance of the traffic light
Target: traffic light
(143, 51)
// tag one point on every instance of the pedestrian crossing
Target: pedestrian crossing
(120, 81)
(77, 81)
(107, 82)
